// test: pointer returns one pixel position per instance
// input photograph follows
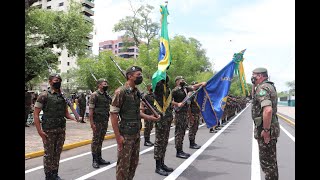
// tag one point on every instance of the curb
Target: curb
(68, 146)
(286, 119)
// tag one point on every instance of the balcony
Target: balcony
(87, 11)
(87, 3)
(89, 19)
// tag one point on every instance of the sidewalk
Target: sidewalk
(287, 111)
(75, 132)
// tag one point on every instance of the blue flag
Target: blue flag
(213, 97)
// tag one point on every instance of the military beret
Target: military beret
(177, 78)
(99, 81)
(133, 69)
(260, 70)
(194, 82)
(53, 75)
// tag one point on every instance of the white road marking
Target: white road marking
(255, 161)
(290, 136)
(175, 174)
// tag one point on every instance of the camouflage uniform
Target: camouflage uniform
(82, 106)
(27, 105)
(194, 123)
(100, 103)
(181, 117)
(162, 128)
(266, 95)
(54, 125)
(148, 124)
(126, 102)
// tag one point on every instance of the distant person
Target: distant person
(264, 115)
(82, 106)
(27, 106)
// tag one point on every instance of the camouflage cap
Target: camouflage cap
(53, 75)
(99, 81)
(177, 78)
(133, 69)
(260, 70)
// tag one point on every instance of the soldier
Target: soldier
(163, 99)
(179, 93)
(82, 106)
(126, 105)
(264, 115)
(194, 118)
(99, 106)
(53, 128)
(27, 106)
(148, 125)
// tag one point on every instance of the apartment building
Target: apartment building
(118, 49)
(66, 62)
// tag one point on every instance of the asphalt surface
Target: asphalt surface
(229, 154)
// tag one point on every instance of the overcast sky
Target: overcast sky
(266, 28)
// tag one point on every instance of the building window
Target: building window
(115, 51)
(48, 7)
(48, 0)
(61, 4)
(137, 50)
(120, 44)
(68, 55)
(116, 46)
(68, 63)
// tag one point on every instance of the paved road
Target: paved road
(230, 154)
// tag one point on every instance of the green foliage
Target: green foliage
(46, 29)
(235, 87)
(139, 26)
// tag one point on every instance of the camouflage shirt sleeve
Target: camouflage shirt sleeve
(174, 93)
(40, 102)
(93, 100)
(117, 101)
(263, 95)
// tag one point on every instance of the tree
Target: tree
(291, 85)
(47, 32)
(139, 26)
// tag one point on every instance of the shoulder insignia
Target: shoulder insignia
(262, 92)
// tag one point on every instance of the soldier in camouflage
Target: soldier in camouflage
(163, 99)
(194, 117)
(127, 108)
(148, 125)
(179, 93)
(53, 126)
(99, 106)
(264, 114)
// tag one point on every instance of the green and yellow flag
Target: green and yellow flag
(164, 59)
(238, 70)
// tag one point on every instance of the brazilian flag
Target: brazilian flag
(164, 59)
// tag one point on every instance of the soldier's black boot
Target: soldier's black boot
(193, 145)
(55, 175)
(181, 154)
(211, 130)
(165, 167)
(159, 169)
(147, 142)
(95, 160)
(49, 176)
(102, 161)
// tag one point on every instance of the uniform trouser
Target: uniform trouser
(193, 126)
(82, 111)
(53, 148)
(26, 113)
(162, 136)
(98, 136)
(148, 126)
(128, 157)
(268, 158)
(181, 126)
